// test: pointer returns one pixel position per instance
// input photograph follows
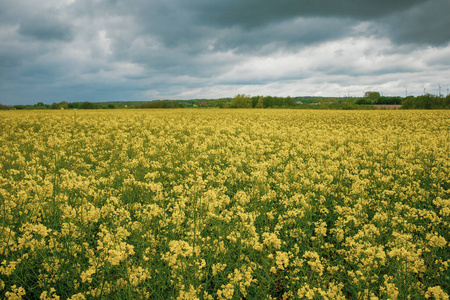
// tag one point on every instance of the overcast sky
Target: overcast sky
(110, 50)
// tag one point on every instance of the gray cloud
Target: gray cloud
(282, 36)
(140, 49)
(425, 24)
(45, 28)
(258, 13)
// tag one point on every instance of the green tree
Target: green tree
(74, 105)
(363, 101)
(408, 103)
(260, 103)
(268, 101)
(40, 105)
(241, 101)
(447, 102)
(372, 96)
(88, 105)
(55, 105)
(290, 101)
(64, 105)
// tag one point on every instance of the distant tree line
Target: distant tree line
(193, 103)
(161, 104)
(427, 101)
(370, 99)
(243, 101)
(65, 105)
(380, 100)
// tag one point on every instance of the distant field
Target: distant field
(388, 106)
(224, 204)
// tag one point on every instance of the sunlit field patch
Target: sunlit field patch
(225, 204)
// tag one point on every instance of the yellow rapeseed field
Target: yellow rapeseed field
(224, 204)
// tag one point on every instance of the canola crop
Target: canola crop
(224, 204)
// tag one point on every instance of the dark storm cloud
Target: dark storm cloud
(282, 36)
(246, 26)
(45, 28)
(426, 24)
(253, 13)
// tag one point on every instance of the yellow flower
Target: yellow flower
(436, 240)
(437, 293)
(16, 293)
(271, 240)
